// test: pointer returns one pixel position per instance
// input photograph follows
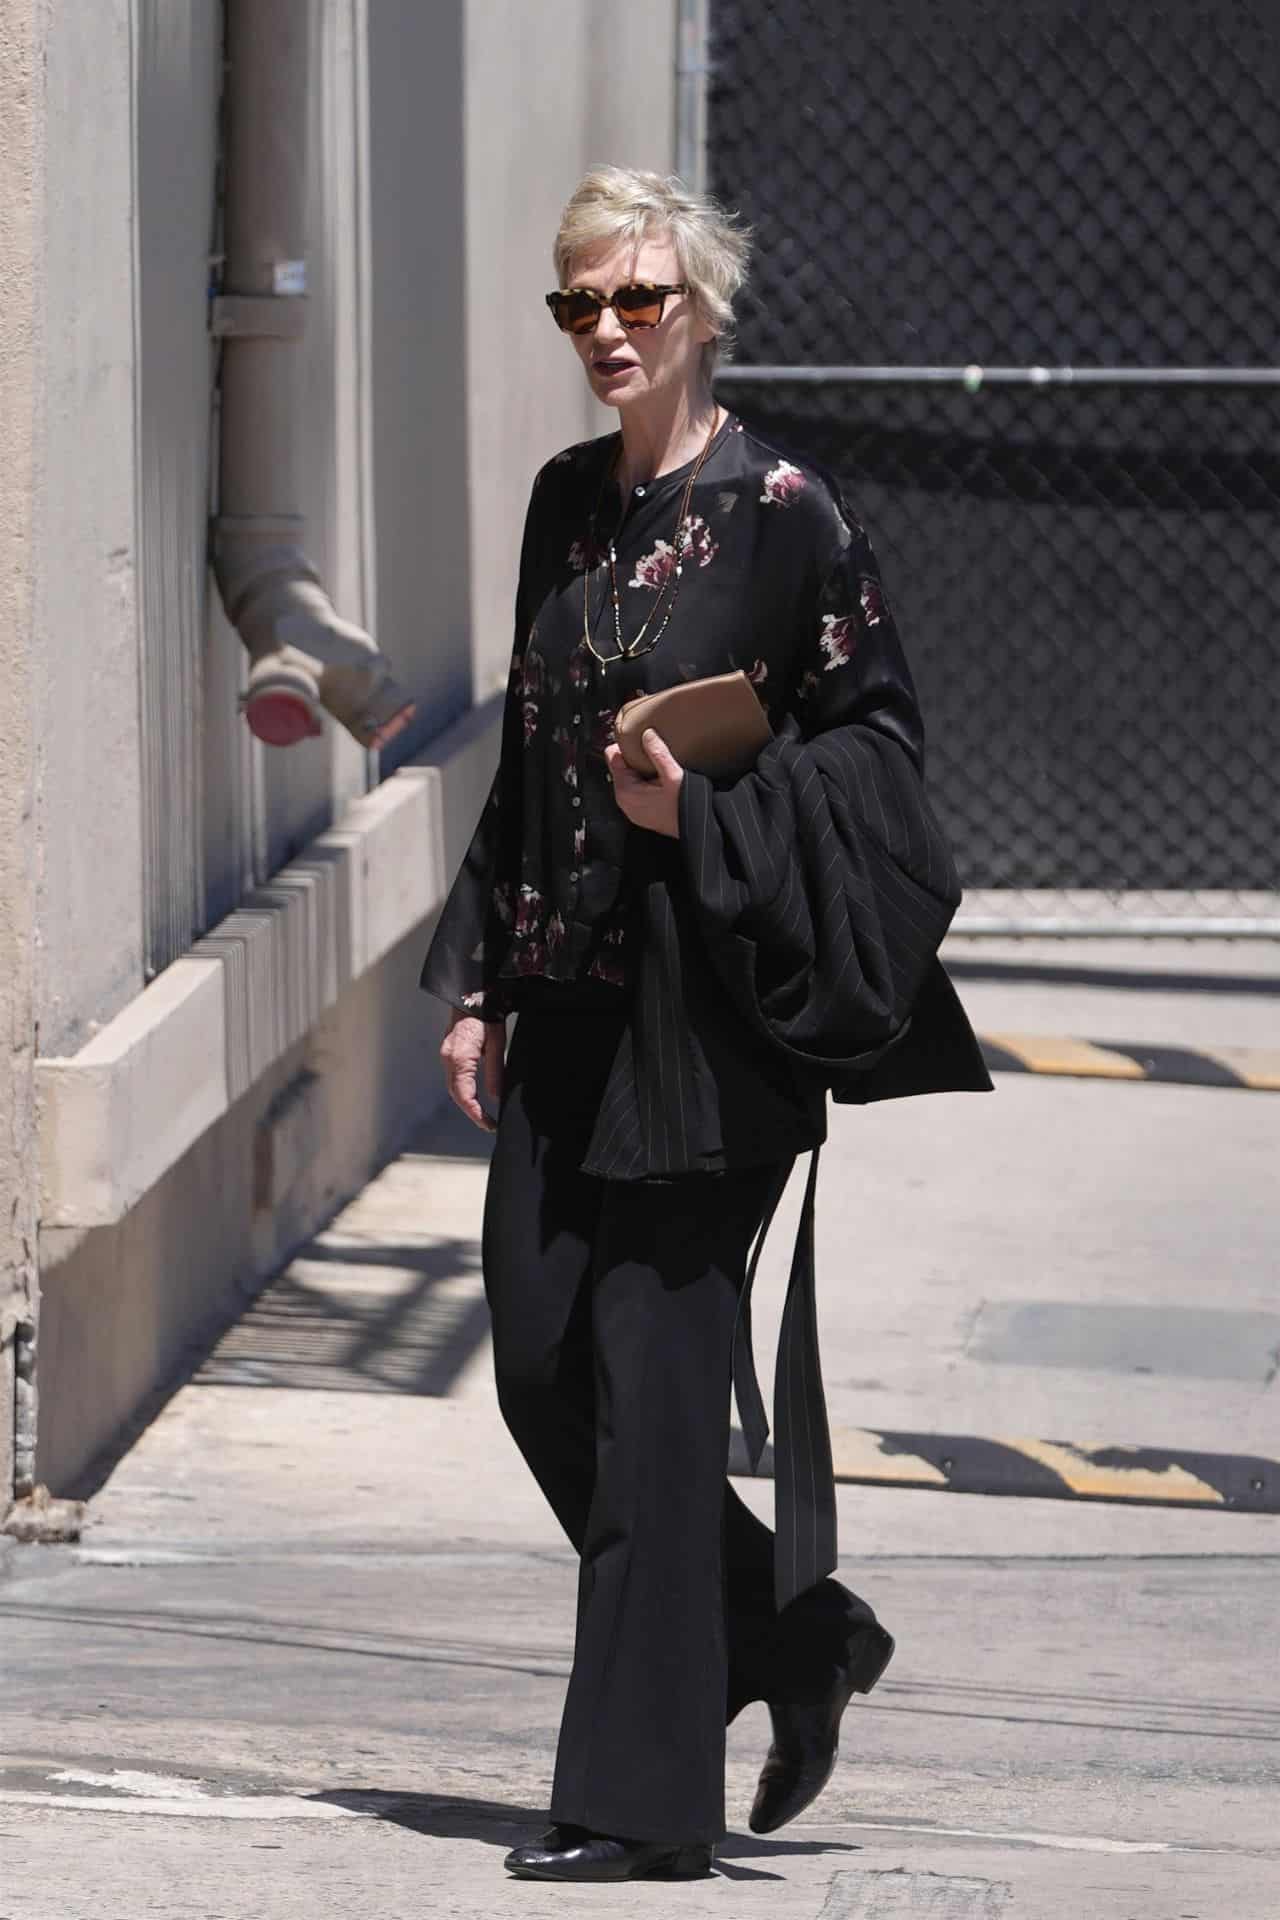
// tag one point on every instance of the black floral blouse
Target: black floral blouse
(778, 579)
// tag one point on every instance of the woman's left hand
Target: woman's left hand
(649, 800)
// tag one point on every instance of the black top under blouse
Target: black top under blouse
(778, 579)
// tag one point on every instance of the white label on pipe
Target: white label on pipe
(289, 277)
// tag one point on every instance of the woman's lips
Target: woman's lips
(609, 369)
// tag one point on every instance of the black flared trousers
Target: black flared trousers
(613, 1307)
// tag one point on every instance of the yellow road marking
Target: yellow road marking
(859, 1455)
(1258, 1067)
(1084, 1477)
(1057, 1053)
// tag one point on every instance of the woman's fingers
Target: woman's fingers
(625, 778)
(668, 767)
(462, 1091)
(649, 800)
(461, 1051)
(463, 1088)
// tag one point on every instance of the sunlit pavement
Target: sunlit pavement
(309, 1653)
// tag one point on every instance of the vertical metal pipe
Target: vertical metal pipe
(302, 651)
(265, 212)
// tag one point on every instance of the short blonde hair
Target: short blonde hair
(712, 245)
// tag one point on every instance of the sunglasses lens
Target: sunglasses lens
(638, 306)
(576, 312)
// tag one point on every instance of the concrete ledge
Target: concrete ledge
(117, 1115)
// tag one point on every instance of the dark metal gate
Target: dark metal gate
(1018, 283)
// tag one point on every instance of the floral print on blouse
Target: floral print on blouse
(778, 578)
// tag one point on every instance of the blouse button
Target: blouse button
(573, 873)
(577, 719)
(639, 493)
(577, 800)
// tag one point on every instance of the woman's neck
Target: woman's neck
(663, 439)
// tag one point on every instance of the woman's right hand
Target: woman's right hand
(471, 1049)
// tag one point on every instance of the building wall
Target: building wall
(419, 368)
(175, 81)
(88, 819)
(21, 343)
(444, 141)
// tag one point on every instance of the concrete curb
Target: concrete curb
(1043, 1469)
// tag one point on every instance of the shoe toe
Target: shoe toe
(532, 1854)
(785, 1791)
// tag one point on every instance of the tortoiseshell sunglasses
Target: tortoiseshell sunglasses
(639, 304)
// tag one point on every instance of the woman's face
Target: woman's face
(633, 367)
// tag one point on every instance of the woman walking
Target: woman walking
(695, 963)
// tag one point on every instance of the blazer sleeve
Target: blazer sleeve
(821, 881)
(473, 931)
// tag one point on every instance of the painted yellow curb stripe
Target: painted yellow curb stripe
(1056, 1053)
(859, 1455)
(1032, 1469)
(1257, 1067)
(1092, 1482)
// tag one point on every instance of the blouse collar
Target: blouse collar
(665, 482)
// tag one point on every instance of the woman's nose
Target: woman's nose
(609, 329)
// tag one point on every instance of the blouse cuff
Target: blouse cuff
(478, 1006)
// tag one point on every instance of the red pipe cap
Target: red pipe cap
(281, 719)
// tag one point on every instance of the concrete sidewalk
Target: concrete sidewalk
(319, 1608)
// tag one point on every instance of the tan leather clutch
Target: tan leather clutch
(715, 725)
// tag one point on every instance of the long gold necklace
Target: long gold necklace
(628, 650)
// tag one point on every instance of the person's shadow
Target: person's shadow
(448, 1816)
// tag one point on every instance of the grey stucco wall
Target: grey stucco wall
(420, 365)
(176, 80)
(88, 823)
(21, 339)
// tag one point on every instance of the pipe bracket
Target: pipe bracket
(257, 316)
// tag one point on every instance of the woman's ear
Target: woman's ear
(704, 326)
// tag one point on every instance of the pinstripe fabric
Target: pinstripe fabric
(818, 886)
(823, 888)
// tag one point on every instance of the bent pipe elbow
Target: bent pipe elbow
(303, 654)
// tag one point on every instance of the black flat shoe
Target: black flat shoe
(574, 1853)
(806, 1733)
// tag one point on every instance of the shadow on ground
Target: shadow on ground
(504, 1824)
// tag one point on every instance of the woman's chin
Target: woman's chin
(620, 394)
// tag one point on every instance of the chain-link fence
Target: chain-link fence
(1086, 569)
